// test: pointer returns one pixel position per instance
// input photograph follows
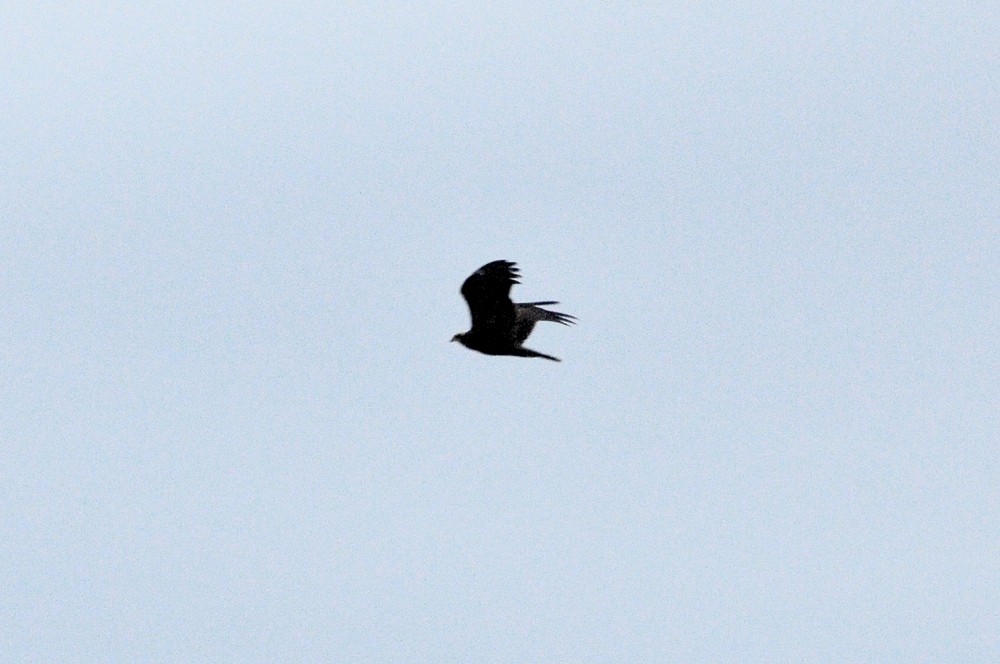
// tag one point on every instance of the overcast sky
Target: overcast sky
(232, 427)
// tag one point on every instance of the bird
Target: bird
(499, 326)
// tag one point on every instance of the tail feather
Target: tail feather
(527, 352)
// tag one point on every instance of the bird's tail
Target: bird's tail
(527, 352)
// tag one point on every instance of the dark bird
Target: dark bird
(499, 326)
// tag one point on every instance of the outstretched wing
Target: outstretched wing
(487, 291)
(529, 313)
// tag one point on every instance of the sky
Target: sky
(233, 428)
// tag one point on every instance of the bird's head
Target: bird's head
(458, 337)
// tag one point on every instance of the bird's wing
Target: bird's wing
(487, 291)
(529, 313)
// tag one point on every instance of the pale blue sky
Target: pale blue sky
(233, 428)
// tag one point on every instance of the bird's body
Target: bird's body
(499, 326)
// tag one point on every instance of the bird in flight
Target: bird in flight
(499, 326)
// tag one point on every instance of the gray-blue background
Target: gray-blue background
(233, 428)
